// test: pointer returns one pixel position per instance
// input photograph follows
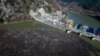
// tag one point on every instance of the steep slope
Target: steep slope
(12, 9)
(16, 10)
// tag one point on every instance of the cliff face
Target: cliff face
(11, 9)
(16, 10)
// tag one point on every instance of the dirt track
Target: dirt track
(30, 42)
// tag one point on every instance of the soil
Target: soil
(42, 42)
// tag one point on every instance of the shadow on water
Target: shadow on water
(96, 17)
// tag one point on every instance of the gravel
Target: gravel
(42, 42)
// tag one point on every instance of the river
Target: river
(80, 18)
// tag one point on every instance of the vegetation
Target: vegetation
(26, 24)
(84, 3)
(49, 9)
(88, 4)
(94, 43)
(10, 1)
(37, 3)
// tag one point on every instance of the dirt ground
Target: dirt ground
(42, 42)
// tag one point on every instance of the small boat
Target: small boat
(78, 26)
(97, 31)
(90, 30)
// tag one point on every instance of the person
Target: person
(69, 25)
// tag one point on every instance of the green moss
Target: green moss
(94, 43)
(26, 24)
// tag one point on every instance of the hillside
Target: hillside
(16, 10)
(88, 6)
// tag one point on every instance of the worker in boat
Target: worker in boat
(69, 25)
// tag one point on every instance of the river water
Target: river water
(83, 19)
